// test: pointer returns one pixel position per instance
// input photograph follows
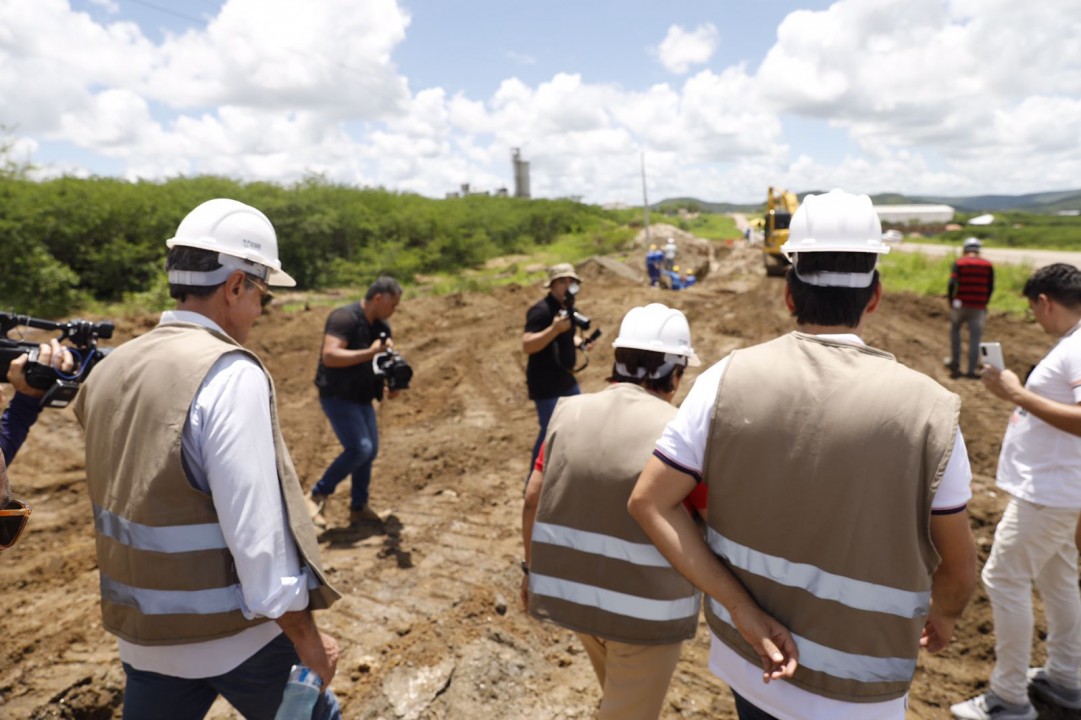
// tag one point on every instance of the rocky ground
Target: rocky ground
(430, 626)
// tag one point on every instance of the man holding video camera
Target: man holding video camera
(209, 566)
(551, 342)
(356, 334)
(23, 410)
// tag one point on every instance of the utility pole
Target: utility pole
(645, 200)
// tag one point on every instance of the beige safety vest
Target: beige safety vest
(822, 463)
(167, 577)
(592, 568)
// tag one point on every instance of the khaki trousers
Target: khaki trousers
(634, 678)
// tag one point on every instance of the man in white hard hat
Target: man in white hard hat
(209, 564)
(838, 542)
(589, 567)
(972, 281)
(1039, 466)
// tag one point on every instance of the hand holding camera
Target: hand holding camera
(391, 366)
(51, 371)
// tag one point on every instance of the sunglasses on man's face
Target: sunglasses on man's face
(13, 519)
(265, 295)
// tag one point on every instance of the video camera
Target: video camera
(578, 320)
(393, 367)
(60, 387)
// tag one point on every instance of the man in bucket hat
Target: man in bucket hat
(551, 343)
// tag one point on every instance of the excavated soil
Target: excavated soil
(430, 626)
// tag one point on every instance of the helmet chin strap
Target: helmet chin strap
(671, 362)
(229, 265)
(836, 279)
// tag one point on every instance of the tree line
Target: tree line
(68, 241)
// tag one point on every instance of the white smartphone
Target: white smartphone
(991, 352)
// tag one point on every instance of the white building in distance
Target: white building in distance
(914, 214)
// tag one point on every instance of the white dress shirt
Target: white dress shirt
(228, 450)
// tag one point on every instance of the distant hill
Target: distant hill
(1036, 202)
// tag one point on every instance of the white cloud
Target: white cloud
(681, 48)
(934, 96)
(923, 71)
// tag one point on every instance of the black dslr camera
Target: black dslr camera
(393, 368)
(82, 337)
(578, 320)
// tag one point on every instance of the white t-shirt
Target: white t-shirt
(228, 446)
(683, 445)
(1040, 463)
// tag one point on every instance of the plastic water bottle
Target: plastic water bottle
(300, 695)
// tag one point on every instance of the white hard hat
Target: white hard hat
(658, 328)
(241, 235)
(972, 244)
(835, 222)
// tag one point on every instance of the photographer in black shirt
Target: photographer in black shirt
(347, 382)
(551, 343)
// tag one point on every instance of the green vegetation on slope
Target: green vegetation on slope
(69, 242)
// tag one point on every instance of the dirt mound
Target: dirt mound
(430, 626)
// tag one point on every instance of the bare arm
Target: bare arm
(336, 355)
(657, 505)
(1007, 386)
(316, 650)
(953, 581)
(534, 342)
(529, 516)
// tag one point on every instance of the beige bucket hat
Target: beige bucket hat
(561, 270)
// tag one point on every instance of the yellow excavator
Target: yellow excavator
(780, 206)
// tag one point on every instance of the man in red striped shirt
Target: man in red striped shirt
(972, 280)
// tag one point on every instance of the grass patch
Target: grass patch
(925, 275)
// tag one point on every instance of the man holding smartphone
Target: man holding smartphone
(1040, 467)
(972, 280)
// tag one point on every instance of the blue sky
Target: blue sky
(942, 97)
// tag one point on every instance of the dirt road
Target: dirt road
(430, 625)
(1009, 256)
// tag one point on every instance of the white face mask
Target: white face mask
(573, 288)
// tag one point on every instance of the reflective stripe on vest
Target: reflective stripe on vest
(167, 538)
(645, 554)
(172, 602)
(857, 594)
(850, 666)
(612, 601)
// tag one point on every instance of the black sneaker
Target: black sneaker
(1042, 687)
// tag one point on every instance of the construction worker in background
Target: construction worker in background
(550, 342)
(669, 253)
(836, 478)
(1040, 467)
(654, 261)
(589, 567)
(209, 564)
(972, 280)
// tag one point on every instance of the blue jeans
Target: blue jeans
(254, 688)
(354, 424)
(545, 408)
(747, 711)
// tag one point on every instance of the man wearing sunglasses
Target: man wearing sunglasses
(209, 566)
